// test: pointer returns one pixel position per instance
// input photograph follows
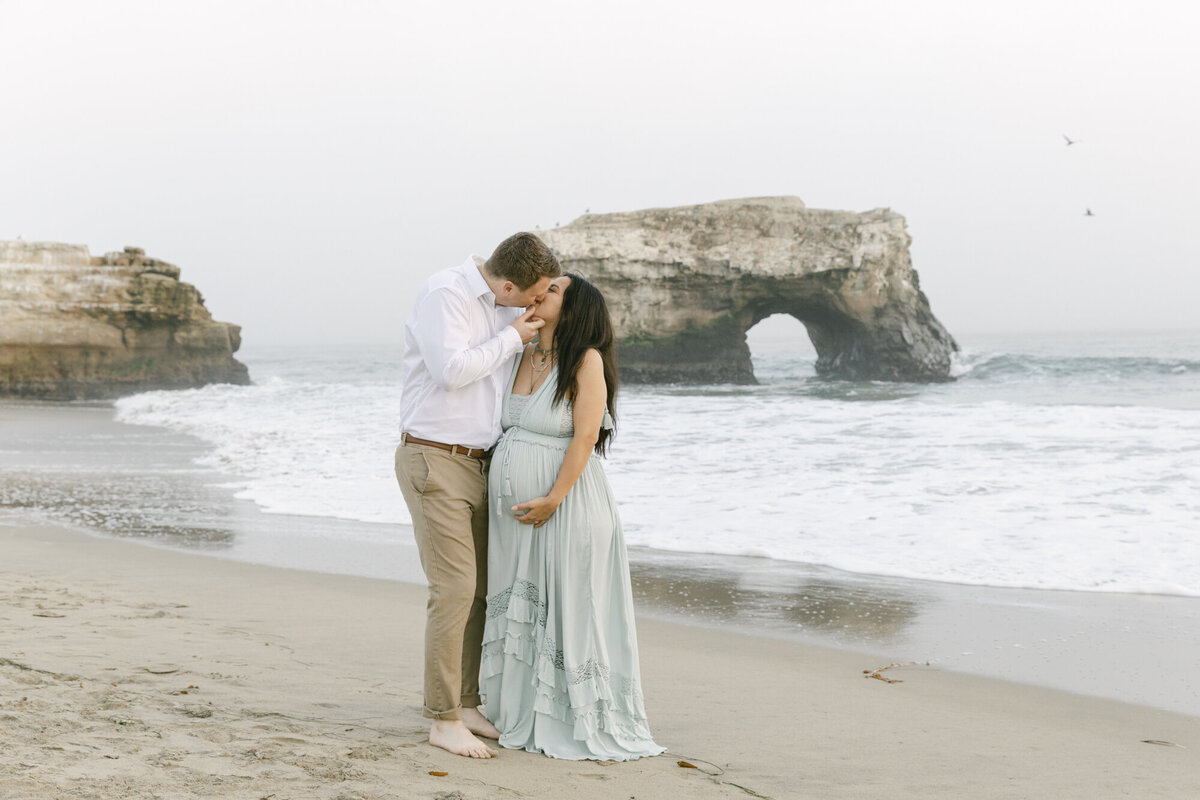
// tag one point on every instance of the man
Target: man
(466, 326)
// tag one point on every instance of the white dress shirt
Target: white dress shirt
(458, 348)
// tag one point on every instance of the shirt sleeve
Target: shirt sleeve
(443, 333)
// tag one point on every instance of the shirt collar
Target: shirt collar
(475, 281)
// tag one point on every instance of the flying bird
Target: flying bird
(1070, 141)
(1087, 212)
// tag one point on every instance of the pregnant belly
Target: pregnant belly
(522, 471)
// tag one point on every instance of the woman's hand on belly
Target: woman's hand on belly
(536, 511)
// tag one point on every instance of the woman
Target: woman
(560, 664)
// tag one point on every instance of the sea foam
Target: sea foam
(1028, 471)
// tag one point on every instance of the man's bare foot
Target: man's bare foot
(453, 736)
(478, 724)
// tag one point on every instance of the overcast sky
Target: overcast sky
(307, 164)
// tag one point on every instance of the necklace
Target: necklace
(538, 370)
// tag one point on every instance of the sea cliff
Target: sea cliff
(76, 326)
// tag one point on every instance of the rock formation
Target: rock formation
(77, 327)
(685, 284)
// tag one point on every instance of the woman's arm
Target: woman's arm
(590, 398)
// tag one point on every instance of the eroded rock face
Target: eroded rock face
(74, 326)
(685, 284)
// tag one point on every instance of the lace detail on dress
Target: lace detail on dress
(517, 403)
(497, 604)
(590, 669)
(566, 423)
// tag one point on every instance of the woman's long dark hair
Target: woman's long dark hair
(584, 324)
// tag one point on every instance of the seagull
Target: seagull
(587, 211)
(1070, 141)
(1087, 212)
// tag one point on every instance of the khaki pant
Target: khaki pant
(447, 498)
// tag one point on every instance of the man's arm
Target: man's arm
(443, 332)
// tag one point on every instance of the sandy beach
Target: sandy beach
(129, 671)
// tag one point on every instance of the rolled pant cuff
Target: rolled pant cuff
(470, 701)
(454, 713)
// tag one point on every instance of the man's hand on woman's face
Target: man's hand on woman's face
(527, 326)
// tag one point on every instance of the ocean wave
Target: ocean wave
(957, 482)
(295, 447)
(1005, 367)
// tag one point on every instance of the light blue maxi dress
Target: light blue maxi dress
(560, 669)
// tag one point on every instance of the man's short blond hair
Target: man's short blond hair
(524, 259)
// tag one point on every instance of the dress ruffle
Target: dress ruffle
(588, 697)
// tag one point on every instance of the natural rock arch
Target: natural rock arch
(782, 335)
(684, 285)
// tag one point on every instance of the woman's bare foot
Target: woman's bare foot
(478, 724)
(453, 736)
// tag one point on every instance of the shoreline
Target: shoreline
(131, 671)
(140, 483)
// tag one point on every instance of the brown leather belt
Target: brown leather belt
(454, 449)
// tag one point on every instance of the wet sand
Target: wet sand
(1139, 648)
(134, 671)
